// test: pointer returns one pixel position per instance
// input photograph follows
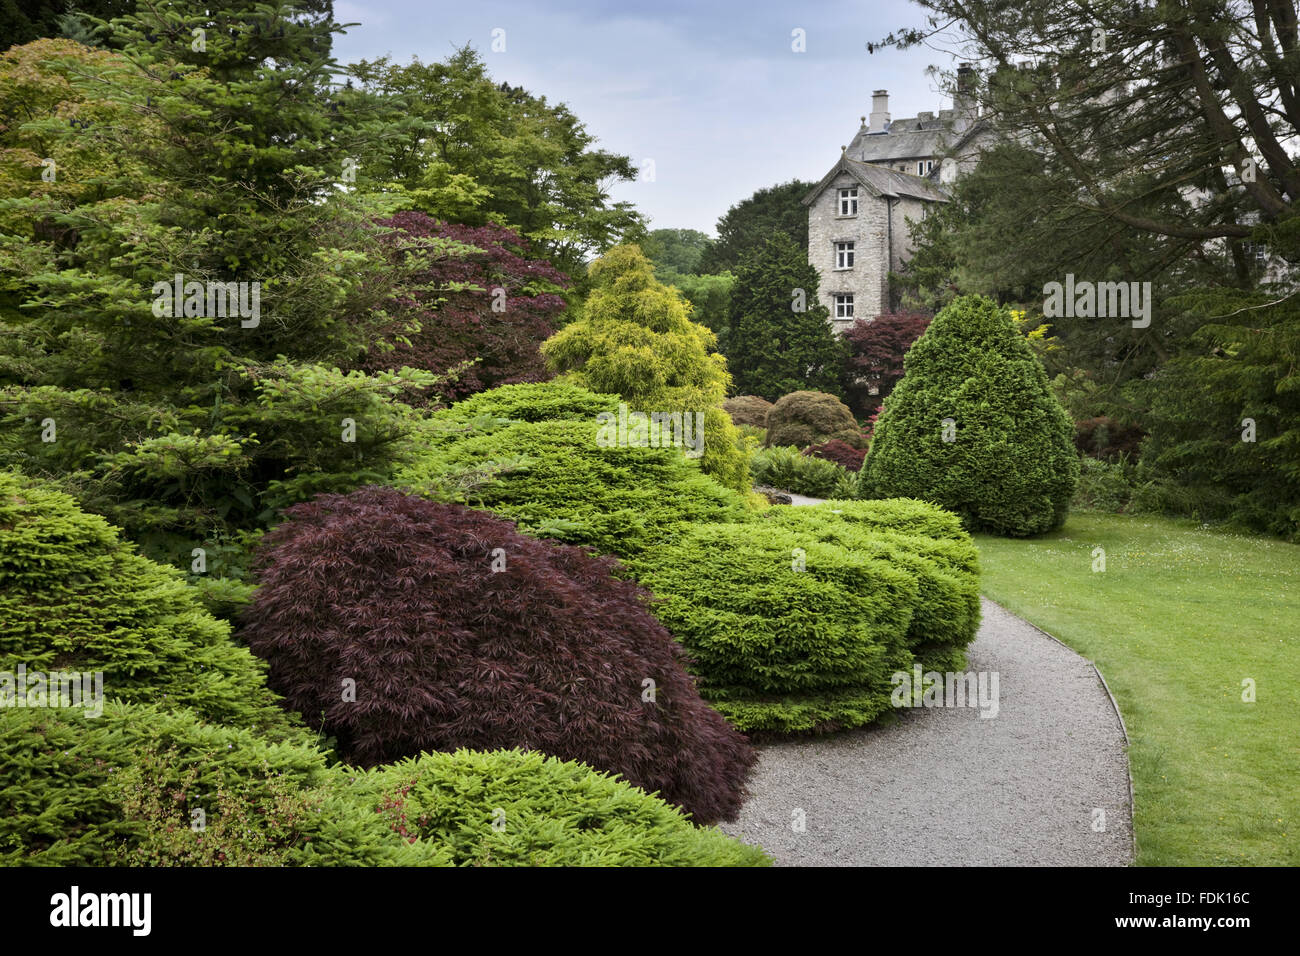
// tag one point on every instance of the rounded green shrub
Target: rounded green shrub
(635, 338)
(923, 540)
(801, 419)
(883, 585)
(123, 789)
(785, 632)
(560, 483)
(748, 410)
(534, 402)
(973, 427)
(511, 808)
(76, 598)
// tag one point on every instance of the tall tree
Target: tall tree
(780, 335)
(185, 418)
(486, 152)
(482, 300)
(635, 338)
(749, 223)
(676, 251)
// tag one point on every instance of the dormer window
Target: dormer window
(843, 255)
(849, 201)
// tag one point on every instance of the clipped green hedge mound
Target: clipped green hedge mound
(777, 648)
(561, 484)
(805, 418)
(124, 788)
(923, 540)
(885, 585)
(1010, 467)
(552, 813)
(534, 402)
(76, 598)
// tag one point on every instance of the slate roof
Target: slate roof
(880, 181)
(901, 140)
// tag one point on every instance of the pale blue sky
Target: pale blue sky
(711, 92)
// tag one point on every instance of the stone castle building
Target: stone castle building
(891, 171)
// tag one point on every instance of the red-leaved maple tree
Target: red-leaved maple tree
(399, 625)
(494, 305)
(875, 356)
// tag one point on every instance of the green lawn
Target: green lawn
(1178, 619)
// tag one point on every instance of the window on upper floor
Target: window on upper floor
(843, 306)
(1256, 251)
(849, 201)
(929, 165)
(843, 255)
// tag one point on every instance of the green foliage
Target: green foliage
(549, 813)
(807, 418)
(75, 598)
(790, 470)
(675, 251)
(533, 402)
(1242, 367)
(776, 648)
(556, 481)
(1104, 485)
(1010, 467)
(782, 649)
(480, 151)
(710, 298)
(780, 339)
(191, 427)
(635, 338)
(22, 21)
(923, 540)
(121, 790)
(746, 226)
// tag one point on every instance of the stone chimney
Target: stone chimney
(879, 110)
(964, 104)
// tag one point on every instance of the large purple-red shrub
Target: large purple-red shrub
(459, 631)
(875, 356)
(461, 314)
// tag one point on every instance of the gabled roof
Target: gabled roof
(901, 140)
(880, 181)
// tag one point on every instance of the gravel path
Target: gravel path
(947, 787)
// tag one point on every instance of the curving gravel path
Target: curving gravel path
(946, 787)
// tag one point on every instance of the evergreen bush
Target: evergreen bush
(801, 419)
(974, 427)
(76, 598)
(556, 481)
(123, 790)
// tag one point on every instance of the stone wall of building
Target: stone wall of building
(868, 231)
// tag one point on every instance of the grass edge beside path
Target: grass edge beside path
(1180, 616)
